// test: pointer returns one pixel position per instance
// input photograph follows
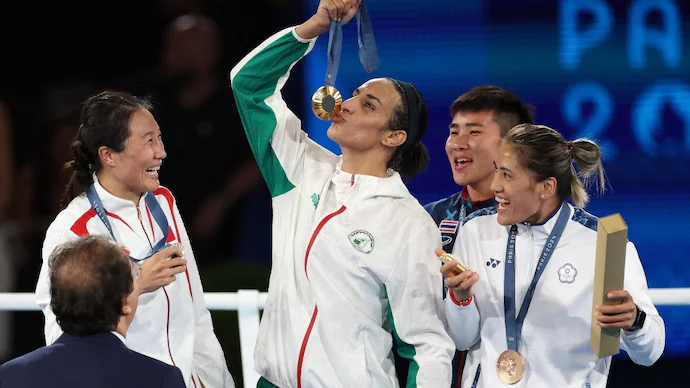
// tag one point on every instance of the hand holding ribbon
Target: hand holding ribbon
(327, 100)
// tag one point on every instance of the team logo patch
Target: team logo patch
(493, 263)
(446, 240)
(567, 273)
(362, 240)
(448, 226)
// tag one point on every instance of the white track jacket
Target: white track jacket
(172, 323)
(556, 332)
(352, 255)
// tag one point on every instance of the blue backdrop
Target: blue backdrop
(614, 71)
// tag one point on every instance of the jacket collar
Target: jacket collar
(105, 337)
(472, 206)
(543, 229)
(368, 186)
(112, 203)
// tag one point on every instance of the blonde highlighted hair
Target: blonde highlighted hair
(545, 153)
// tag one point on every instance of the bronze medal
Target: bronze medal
(510, 367)
(326, 102)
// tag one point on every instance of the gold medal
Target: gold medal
(510, 367)
(447, 258)
(326, 102)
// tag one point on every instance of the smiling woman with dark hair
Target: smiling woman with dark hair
(115, 191)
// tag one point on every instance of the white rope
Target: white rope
(249, 302)
(670, 296)
(26, 301)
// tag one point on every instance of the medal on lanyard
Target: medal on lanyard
(511, 365)
(154, 208)
(327, 100)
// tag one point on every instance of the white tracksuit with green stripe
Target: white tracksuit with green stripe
(352, 254)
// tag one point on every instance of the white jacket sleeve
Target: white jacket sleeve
(209, 361)
(283, 151)
(644, 346)
(54, 237)
(414, 289)
(463, 321)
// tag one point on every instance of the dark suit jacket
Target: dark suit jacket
(95, 361)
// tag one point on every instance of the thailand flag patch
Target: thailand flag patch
(448, 226)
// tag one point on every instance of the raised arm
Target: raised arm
(275, 134)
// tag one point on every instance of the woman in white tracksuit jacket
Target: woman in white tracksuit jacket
(114, 191)
(534, 177)
(352, 250)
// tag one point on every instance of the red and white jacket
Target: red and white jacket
(172, 323)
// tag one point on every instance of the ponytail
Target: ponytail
(408, 163)
(81, 172)
(411, 115)
(545, 153)
(587, 156)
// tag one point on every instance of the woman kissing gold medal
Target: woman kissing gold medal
(327, 100)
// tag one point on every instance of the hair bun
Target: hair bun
(82, 161)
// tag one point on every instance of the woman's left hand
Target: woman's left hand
(621, 315)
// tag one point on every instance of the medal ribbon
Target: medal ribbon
(368, 53)
(154, 208)
(514, 325)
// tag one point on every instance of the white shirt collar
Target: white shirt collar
(112, 203)
(118, 335)
(544, 229)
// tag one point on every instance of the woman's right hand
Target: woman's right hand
(160, 269)
(461, 285)
(337, 10)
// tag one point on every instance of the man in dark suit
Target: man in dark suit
(94, 300)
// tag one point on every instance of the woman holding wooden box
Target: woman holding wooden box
(531, 318)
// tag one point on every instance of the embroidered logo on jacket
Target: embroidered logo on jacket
(315, 199)
(567, 273)
(493, 263)
(362, 240)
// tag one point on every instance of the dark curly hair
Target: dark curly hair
(89, 278)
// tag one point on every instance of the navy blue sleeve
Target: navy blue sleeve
(173, 379)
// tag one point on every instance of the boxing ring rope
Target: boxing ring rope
(248, 303)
